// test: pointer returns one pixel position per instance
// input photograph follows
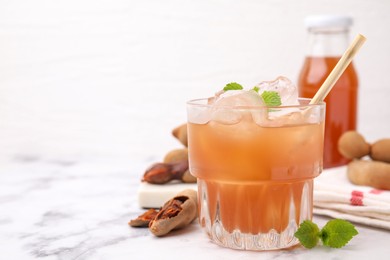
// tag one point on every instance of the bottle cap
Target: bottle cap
(324, 21)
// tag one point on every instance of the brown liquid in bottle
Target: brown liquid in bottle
(341, 103)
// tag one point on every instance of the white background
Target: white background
(109, 79)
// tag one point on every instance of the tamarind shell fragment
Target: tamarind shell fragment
(176, 213)
(144, 219)
(370, 173)
(380, 150)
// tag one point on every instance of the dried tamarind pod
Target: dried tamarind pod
(158, 173)
(179, 155)
(188, 177)
(180, 133)
(380, 150)
(161, 173)
(352, 145)
(176, 155)
(176, 213)
(369, 173)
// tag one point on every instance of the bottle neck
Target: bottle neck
(327, 42)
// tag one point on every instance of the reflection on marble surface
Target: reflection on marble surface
(69, 209)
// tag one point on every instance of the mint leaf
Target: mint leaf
(337, 233)
(232, 86)
(307, 234)
(271, 98)
(256, 89)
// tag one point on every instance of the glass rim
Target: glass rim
(196, 103)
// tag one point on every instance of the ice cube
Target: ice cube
(199, 111)
(287, 90)
(279, 118)
(222, 111)
(237, 98)
(198, 115)
(226, 116)
(288, 93)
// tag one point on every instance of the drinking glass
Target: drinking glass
(255, 167)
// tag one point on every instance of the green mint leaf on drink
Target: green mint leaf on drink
(256, 89)
(308, 234)
(232, 86)
(271, 98)
(337, 233)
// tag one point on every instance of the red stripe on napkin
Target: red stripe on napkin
(356, 198)
(375, 191)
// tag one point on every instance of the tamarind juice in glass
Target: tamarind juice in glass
(255, 167)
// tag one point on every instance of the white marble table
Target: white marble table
(71, 209)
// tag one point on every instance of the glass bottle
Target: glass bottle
(328, 38)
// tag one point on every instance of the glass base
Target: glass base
(243, 241)
(244, 217)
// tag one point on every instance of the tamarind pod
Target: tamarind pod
(176, 155)
(158, 173)
(380, 150)
(352, 145)
(188, 177)
(369, 173)
(161, 173)
(176, 213)
(180, 133)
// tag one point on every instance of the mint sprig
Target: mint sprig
(271, 98)
(232, 86)
(336, 233)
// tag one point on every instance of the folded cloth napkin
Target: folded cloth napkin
(337, 197)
